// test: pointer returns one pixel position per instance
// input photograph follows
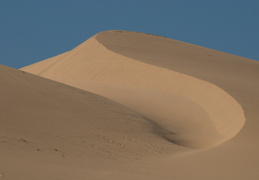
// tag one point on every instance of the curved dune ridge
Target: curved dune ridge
(183, 110)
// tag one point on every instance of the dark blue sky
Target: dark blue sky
(33, 30)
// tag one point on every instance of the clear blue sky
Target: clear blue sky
(33, 30)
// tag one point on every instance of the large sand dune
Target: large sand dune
(172, 111)
(195, 113)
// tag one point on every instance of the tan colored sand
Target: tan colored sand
(191, 112)
(188, 104)
(52, 131)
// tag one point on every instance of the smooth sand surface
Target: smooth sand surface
(53, 131)
(196, 113)
(193, 112)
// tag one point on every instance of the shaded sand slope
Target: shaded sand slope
(163, 79)
(50, 130)
(196, 113)
(238, 76)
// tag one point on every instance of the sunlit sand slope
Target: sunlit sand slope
(48, 129)
(187, 111)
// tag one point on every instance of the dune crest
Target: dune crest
(184, 110)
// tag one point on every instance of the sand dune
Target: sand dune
(138, 106)
(195, 113)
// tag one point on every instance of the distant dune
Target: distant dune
(128, 105)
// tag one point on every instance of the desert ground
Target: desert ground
(128, 105)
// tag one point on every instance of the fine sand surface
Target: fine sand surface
(53, 131)
(161, 109)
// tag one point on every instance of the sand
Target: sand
(128, 105)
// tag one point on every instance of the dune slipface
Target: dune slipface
(183, 109)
